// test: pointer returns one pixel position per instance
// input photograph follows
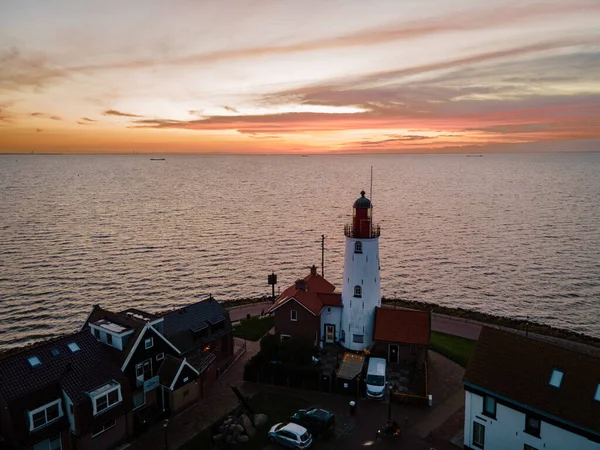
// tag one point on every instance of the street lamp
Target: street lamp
(165, 425)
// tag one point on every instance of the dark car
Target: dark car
(320, 422)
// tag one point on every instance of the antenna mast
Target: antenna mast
(371, 198)
(323, 255)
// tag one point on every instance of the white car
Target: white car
(290, 435)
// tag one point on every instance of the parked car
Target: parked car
(320, 422)
(291, 435)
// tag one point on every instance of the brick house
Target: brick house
(522, 392)
(401, 335)
(63, 394)
(309, 309)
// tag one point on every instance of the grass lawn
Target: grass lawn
(278, 407)
(456, 348)
(254, 328)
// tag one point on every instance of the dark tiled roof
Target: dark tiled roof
(178, 324)
(317, 289)
(77, 373)
(201, 360)
(520, 368)
(331, 299)
(404, 326)
(168, 370)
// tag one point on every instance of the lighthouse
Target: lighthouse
(361, 293)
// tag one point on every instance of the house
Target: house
(525, 393)
(401, 335)
(309, 309)
(63, 394)
(203, 333)
(135, 341)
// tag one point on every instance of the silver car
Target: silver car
(290, 435)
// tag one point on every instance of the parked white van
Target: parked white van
(376, 378)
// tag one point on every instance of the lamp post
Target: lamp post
(165, 425)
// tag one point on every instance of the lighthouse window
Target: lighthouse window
(357, 338)
(357, 291)
(358, 247)
(294, 315)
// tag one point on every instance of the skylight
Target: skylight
(73, 347)
(597, 395)
(556, 378)
(55, 352)
(34, 361)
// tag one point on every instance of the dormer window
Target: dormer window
(358, 247)
(106, 396)
(109, 339)
(44, 415)
(357, 291)
(556, 378)
(34, 361)
(148, 343)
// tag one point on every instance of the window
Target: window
(489, 406)
(528, 447)
(34, 361)
(44, 415)
(284, 337)
(55, 352)
(160, 356)
(532, 425)
(478, 434)
(106, 396)
(556, 378)
(357, 338)
(597, 394)
(109, 339)
(186, 379)
(52, 443)
(94, 332)
(73, 347)
(104, 427)
(294, 315)
(143, 371)
(139, 400)
(148, 343)
(358, 247)
(186, 392)
(343, 336)
(357, 291)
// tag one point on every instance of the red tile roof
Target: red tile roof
(520, 368)
(318, 293)
(405, 326)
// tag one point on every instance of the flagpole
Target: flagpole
(371, 198)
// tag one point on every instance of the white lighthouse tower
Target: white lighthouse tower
(361, 293)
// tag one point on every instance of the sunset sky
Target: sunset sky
(305, 76)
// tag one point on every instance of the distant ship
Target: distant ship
(473, 156)
(157, 159)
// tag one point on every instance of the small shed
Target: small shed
(347, 375)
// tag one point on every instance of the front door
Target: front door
(393, 353)
(329, 333)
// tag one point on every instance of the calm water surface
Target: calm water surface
(514, 235)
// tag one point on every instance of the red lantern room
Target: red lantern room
(361, 227)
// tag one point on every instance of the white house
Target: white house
(524, 393)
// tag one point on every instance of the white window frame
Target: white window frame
(358, 247)
(357, 291)
(160, 356)
(146, 340)
(293, 315)
(105, 393)
(105, 428)
(73, 347)
(44, 408)
(34, 361)
(141, 404)
(556, 378)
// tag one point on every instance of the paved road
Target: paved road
(240, 312)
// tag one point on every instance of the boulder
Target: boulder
(243, 438)
(247, 425)
(260, 420)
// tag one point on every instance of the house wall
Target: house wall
(106, 440)
(407, 353)
(6, 423)
(307, 326)
(507, 430)
(65, 437)
(181, 399)
(331, 315)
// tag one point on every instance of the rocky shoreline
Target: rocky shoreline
(467, 314)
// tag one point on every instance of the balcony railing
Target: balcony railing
(350, 232)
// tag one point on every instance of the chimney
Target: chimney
(301, 284)
(313, 270)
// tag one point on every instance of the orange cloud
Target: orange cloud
(114, 112)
